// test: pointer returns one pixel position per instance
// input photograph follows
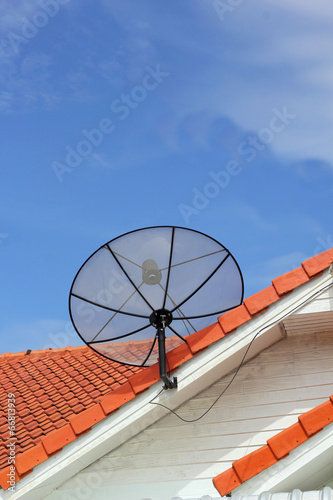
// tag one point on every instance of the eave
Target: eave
(307, 467)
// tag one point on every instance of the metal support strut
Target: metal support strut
(169, 384)
(161, 319)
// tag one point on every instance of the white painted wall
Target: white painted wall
(177, 460)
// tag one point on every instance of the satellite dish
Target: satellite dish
(139, 295)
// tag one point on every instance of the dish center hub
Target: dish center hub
(160, 318)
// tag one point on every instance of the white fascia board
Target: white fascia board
(195, 375)
(308, 466)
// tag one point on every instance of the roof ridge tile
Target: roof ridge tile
(205, 337)
(288, 281)
(282, 443)
(227, 481)
(254, 463)
(38, 352)
(234, 318)
(316, 419)
(178, 356)
(318, 263)
(261, 300)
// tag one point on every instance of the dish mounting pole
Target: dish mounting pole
(161, 319)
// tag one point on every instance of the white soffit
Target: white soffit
(315, 316)
(302, 324)
(194, 376)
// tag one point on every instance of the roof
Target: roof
(277, 448)
(51, 387)
(61, 394)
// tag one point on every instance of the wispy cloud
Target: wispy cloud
(26, 77)
(138, 44)
(252, 216)
(282, 63)
(284, 263)
(261, 276)
(77, 85)
(28, 83)
(13, 12)
(6, 101)
(99, 160)
(320, 10)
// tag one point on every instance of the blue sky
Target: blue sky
(116, 115)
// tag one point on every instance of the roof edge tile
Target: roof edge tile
(282, 443)
(27, 460)
(288, 281)
(87, 418)
(261, 300)
(178, 356)
(318, 263)
(205, 337)
(226, 482)
(231, 320)
(316, 419)
(5, 476)
(116, 398)
(142, 380)
(254, 463)
(57, 439)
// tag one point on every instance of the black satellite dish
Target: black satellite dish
(139, 295)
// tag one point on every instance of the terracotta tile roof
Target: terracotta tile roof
(51, 388)
(60, 394)
(136, 351)
(277, 448)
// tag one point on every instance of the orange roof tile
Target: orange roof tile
(44, 403)
(261, 300)
(61, 393)
(253, 463)
(277, 448)
(231, 320)
(287, 282)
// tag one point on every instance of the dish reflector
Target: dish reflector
(160, 278)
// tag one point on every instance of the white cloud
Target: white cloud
(253, 65)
